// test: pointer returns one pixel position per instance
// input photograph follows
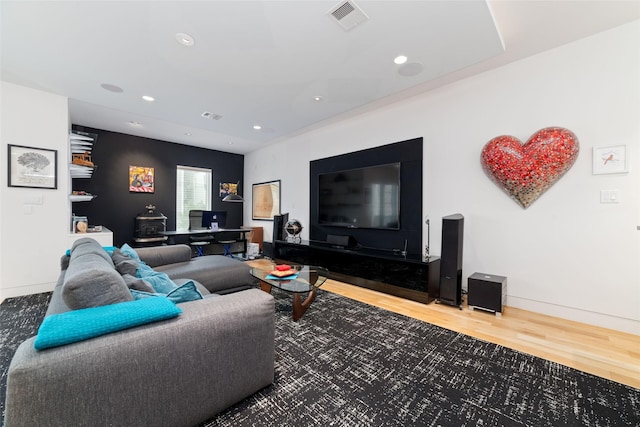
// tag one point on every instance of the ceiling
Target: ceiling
(263, 62)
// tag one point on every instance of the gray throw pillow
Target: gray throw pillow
(137, 284)
(119, 256)
(91, 281)
(123, 263)
(88, 246)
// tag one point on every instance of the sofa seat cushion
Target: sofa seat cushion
(91, 279)
(79, 325)
(215, 272)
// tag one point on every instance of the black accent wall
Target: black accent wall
(116, 208)
(409, 154)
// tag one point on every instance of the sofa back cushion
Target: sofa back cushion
(91, 279)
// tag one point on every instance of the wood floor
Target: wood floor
(598, 351)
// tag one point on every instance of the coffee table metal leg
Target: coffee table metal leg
(299, 306)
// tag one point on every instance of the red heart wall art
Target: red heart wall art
(525, 171)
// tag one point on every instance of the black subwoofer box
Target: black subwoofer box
(487, 292)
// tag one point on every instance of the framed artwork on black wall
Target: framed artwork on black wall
(141, 179)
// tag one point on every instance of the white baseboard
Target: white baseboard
(631, 326)
(18, 291)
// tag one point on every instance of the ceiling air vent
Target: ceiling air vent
(208, 115)
(348, 15)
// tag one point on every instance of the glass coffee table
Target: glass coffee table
(307, 279)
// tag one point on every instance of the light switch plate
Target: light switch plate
(609, 196)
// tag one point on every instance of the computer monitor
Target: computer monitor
(214, 217)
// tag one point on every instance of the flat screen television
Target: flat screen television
(367, 197)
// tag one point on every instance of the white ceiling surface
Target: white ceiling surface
(262, 62)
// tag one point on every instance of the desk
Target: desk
(206, 232)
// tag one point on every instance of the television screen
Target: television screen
(366, 197)
(218, 217)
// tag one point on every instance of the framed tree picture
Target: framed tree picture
(32, 167)
(266, 200)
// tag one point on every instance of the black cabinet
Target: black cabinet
(408, 277)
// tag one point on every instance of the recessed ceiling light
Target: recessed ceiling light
(257, 127)
(148, 98)
(111, 88)
(401, 59)
(317, 98)
(185, 39)
(132, 123)
(188, 133)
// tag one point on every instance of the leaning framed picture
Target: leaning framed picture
(32, 167)
(266, 200)
(610, 159)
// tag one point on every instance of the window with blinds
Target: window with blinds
(193, 191)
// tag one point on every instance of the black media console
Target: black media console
(408, 276)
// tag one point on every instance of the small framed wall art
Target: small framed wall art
(610, 159)
(32, 167)
(266, 200)
(141, 179)
(227, 188)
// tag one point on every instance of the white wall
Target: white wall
(34, 234)
(567, 255)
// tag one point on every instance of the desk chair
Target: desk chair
(198, 243)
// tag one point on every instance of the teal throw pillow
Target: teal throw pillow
(183, 293)
(79, 325)
(158, 280)
(130, 252)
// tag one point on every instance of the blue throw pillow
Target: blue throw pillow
(184, 293)
(79, 325)
(160, 282)
(130, 252)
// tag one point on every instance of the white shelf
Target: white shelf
(79, 171)
(80, 143)
(83, 198)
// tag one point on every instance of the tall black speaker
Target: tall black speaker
(279, 221)
(451, 260)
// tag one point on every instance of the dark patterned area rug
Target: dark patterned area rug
(19, 319)
(346, 363)
(350, 364)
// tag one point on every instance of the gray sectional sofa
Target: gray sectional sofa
(175, 372)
